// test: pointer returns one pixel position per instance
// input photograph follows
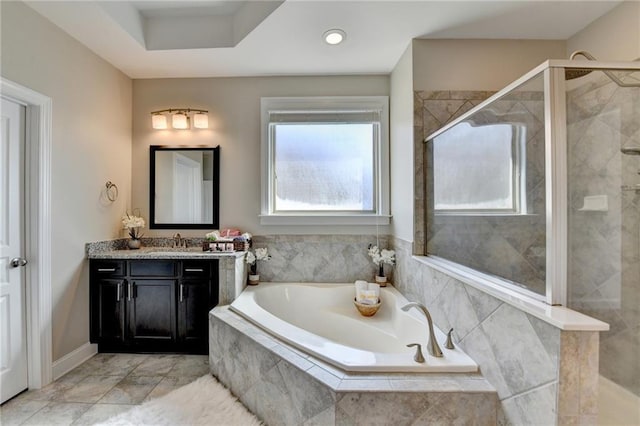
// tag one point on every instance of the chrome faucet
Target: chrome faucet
(178, 241)
(433, 347)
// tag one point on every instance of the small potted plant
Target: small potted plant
(380, 258)
(252, 260)
(133, 224)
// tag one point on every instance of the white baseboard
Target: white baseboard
(73, 359)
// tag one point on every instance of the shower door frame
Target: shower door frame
(556, 184)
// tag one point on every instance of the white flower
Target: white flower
(129, 222)
(374, 253)
(262, 254)
(212, 236)
(384, 256)
(388, 257)
(251, 258)
(133, 223)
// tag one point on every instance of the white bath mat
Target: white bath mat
(202, 402)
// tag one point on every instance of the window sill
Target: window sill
(325, 219)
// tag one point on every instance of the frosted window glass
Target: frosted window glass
(324, 167)
(473, 168)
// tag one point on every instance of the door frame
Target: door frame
(38, 138)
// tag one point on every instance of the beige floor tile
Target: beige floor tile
(131, 390)
(190, 365)
(100, 412)
(169, 384)
(156, 365)
(58, 413)
(19, 409)
(91, 389)
(52, 392)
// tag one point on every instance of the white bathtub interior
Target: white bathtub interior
(321, 320)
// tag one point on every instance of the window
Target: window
(480, 170)
(325, 160)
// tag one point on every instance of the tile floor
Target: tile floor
(103, 386)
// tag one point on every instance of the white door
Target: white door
(13, 341)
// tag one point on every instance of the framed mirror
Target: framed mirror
(184, 188)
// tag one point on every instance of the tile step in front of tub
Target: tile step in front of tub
(283, 385)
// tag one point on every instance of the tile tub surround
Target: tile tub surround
(543, 375)
(282, 385)
(319, 258)
(232, 271)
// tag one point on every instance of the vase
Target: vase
(381, 280)
(134, 243)
(254, 279)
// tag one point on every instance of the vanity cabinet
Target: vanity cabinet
(152, 305)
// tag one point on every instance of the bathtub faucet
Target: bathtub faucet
(433, 347)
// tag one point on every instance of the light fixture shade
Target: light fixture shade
(159, 121)
(180, 121)
(200, 120)
(335, 36)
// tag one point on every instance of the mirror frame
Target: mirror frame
(215, 223)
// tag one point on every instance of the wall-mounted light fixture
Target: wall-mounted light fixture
(180, 118)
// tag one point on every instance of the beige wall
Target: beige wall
(401, 124)
(478, 64)
(234, 121)
(613, 37)
(91, 145)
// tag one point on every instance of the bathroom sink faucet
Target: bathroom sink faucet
(433, 347)
(178, 241)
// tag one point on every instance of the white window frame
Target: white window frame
(319, 104)
(518, 180)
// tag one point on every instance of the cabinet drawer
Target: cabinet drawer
(108, 268)
(195, 268)
(152, 268)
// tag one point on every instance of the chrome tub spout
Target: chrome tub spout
(432, 347)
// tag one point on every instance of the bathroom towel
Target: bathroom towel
(367, 293)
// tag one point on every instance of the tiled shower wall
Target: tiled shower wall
(604, 246)
(512, 247)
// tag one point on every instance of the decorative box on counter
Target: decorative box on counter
(218, 246)
(241, 244)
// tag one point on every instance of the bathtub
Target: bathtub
(321, 320)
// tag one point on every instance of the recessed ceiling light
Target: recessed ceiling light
(334, 36)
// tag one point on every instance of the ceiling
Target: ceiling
(153, 39)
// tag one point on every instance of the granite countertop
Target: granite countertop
(155, 248)
(162, 253)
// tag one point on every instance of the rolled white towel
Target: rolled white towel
(367, 293)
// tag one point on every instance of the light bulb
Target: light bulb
(334, 36)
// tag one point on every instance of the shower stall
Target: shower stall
(537, 190)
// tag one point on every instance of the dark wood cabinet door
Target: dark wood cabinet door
(152, 313)
(193, 311)
(108, 312)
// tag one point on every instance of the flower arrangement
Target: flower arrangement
(381, 257)
(252, 259)
(133, 223)
(212, 236)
